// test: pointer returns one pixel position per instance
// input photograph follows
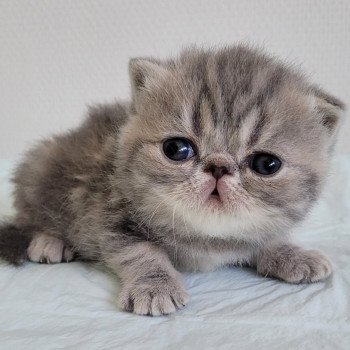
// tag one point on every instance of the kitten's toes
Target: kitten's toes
(68, 254)
(294, 265)
(153, 298)
(48, 249)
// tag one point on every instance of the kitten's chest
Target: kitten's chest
(194, 257)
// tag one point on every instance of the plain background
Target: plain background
(58, 56)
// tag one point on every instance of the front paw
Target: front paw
(153, 294)
(293, 264)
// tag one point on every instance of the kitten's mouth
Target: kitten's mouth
(215, 196)
(215, 193)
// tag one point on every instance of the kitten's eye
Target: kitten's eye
(178, 149)
(265, 164)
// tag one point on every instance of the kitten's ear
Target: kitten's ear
(144, 74)
(329, 108)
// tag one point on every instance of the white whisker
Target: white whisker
(174, 236)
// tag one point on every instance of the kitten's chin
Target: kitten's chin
(248, 225)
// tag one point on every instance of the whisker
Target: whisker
(174, 236)
(189, 238)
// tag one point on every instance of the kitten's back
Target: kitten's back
(59, 167)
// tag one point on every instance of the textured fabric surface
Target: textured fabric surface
(73, 306)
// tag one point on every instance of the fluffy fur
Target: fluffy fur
(106, 191)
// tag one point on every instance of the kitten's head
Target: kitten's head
(231, 142)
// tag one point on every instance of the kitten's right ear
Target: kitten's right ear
(329, 108)
(145, 73)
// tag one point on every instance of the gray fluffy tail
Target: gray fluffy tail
(14, 242)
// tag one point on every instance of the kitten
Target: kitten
(216, 158)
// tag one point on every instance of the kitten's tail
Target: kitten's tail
(14, 242)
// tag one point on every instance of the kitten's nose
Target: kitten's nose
(217, 171)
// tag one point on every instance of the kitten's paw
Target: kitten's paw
(48, 249)
(153, 295)
(294, 265)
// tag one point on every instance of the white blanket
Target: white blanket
(73, 306)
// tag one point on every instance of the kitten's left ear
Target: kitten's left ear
(145, 73)
(329, 108)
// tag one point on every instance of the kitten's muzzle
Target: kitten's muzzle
(218, 165)
(221, 168)
(217, 171)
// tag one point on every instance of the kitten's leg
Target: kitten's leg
(47, 248)
(150, 284)
(293, 264)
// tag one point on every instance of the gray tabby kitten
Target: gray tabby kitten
(216, 158)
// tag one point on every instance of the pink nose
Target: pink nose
(217, 171)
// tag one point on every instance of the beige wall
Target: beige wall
(58, 56)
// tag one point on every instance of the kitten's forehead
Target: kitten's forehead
(238, 101)
(230, 100)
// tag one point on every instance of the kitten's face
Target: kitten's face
(230, 144)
